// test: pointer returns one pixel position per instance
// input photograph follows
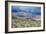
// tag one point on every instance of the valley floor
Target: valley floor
(22, 23)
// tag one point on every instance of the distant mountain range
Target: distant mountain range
(26, 16)
(25, 10)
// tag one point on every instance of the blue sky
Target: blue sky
(26, 10)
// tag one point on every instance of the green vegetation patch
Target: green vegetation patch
(20, 23)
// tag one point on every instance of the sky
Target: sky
(26, 10)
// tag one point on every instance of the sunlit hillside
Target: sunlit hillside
(21, 23)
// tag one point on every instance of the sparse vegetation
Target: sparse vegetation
(22, 23)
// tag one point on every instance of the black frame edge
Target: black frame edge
(27, 2)
(44, 17)
(6, 16)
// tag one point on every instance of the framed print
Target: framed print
(23, 16)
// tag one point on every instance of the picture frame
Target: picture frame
(21, 10)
